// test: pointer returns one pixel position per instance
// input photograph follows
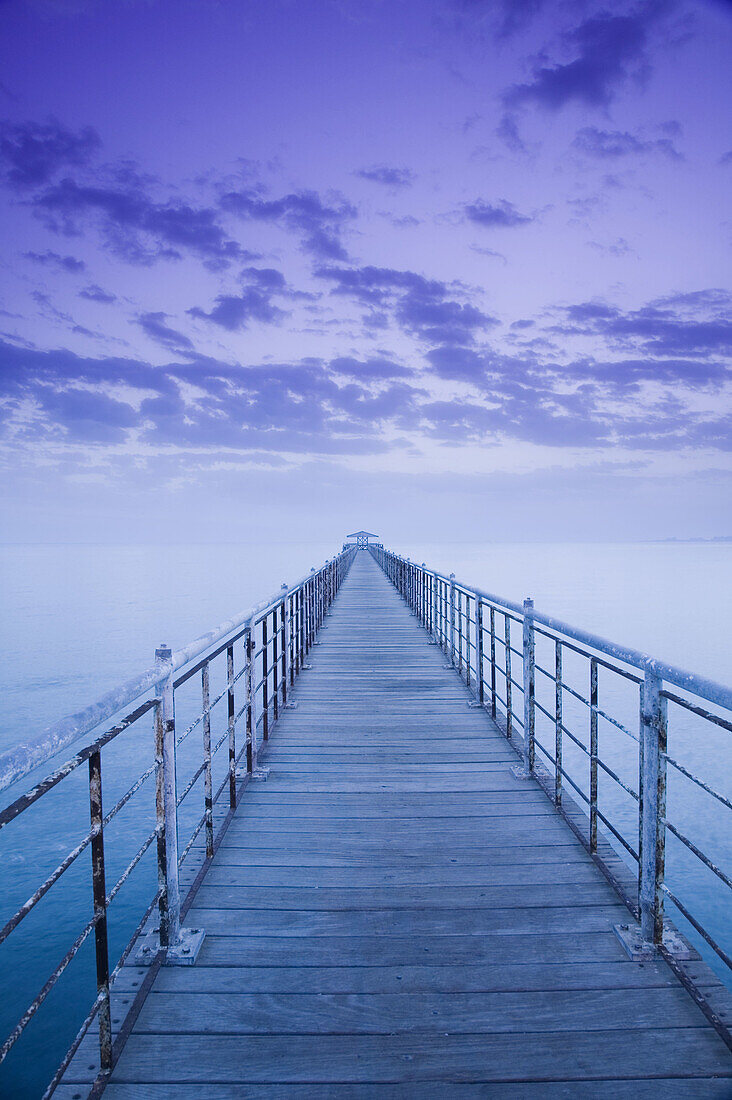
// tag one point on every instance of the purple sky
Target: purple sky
(443, 269)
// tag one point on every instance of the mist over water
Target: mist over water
(79, 619)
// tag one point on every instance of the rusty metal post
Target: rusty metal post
(451, 621)
(493, 662)
(285, 625)
(479, 649)
(593, 755)
(275, 664)
(509, 685)
(558, 721)
(251, 696)
(265, 679)
(167, 800)
(207, 777)
(232, 723)
(181, 944)
(529, 663)
(653, 827)
(100, 908)
(311, 611)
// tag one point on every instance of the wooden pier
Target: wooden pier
(394, 913)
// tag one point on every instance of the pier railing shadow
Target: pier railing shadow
(245, 668)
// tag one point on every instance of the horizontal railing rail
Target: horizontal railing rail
(560, 718)
(265, 649)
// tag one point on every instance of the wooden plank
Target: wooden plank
(455, 875)
(412, 1013)
(480, 978)
(523, 896)
(410, 922)
(637, 1089)
(417, 1057)
(351, 949)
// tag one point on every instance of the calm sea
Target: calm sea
(77, 620)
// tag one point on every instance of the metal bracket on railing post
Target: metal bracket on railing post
(525, 771)
(180, 944)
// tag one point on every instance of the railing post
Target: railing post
(493, 662)
(285, 643)
(558, 721)
(593, 754)
(435, 624)
(509, 684)
(99, 889)
(451, 619)
(251, 690)
(167, 802)
(479, 648)
(207, 777)
(653, 828)
(529, 685)
(232, 724)
(265, 679)
(181, 945)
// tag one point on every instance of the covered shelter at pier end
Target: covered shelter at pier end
(362, 538)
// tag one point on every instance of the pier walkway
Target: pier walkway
(393, 913)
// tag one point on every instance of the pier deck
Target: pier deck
(393, 913)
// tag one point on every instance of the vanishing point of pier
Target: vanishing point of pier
(394, 893)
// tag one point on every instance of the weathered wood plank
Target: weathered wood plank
(453, 875)
(479, 978)
(670, 1089)
(411, 1013)
(385, 1058)
(376, 950)
(409, 922)
(523, 896)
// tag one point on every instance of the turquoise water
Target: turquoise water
(77, 620)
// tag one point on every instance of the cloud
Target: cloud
(618, 247)
(389, 177)
(501, 214)
(507, 130)
(373, 369)
(611, 144)
(489, 252)
(607, 47)
(54, 259)
(725, 159)
(698, 324)
(423, 307)
(155, 326)
(307, 408)
(236, 311)
(31, 153)
(137, 228)
(320, 224)
(95, 293)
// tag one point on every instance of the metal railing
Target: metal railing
(561, 719)
(265, 647)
